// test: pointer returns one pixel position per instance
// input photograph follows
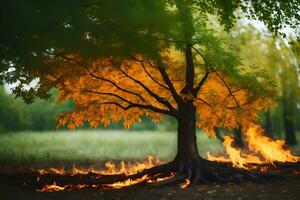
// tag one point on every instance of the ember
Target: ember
(186, 183)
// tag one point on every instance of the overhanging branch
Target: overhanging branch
(86, 67)
(207, 72)
(151, 77)
(148, 90)
(228, 88)
(148, 107)
(167, 80)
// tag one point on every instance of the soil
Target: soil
(13, 187)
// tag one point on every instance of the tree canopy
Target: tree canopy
(92, 28)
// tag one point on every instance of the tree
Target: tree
(11, 113)
(275, 56)
(124, 59)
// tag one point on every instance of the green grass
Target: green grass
(93, 145)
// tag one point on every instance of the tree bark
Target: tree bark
(187, 140)
(238, 138)
(268, 124)
(290, 131)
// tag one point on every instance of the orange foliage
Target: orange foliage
(108, 90)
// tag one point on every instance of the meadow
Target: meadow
(93, 145)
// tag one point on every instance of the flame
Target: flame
(52, 171)
(51, 188)
(110, 168)
(186, 183)
(158, 179)
(117, 185)
(263, 150)
(271, 150)
(128, 182)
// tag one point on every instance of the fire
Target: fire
(272, 151)
(158, 179)
(130, 168)
(128, 182)
(51, 188)
(186, 183)
(110, 168)
(236, 156)
(51, 171)
(117, 185)
(263, 150)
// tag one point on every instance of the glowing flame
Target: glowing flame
(270, 150)
(110, 168)
(158, 179)
(128, 182)
(52, 188)
(52, 171)
(186, 183)
(263, 150)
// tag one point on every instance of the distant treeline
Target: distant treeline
(15, 115)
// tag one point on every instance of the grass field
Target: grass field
(96, 145)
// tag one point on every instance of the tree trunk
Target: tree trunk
(290, 131)
(238, 138)
(186, 145)
(268, 124)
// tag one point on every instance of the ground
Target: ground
(63, 149)
(287, 188)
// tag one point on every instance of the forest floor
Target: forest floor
(63, 149)
(12, 187)
(288, 188)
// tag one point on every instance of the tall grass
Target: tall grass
(94, 145)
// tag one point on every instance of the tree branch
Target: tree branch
(204, 101)
(107, 93)
(202, 56)
(228, 88)
(151, 77)
(154, 95)
(200, 84)
(148, 107)
(240, 105)
(95, 76)
(167, 80)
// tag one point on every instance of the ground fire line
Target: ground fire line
(262, 153)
